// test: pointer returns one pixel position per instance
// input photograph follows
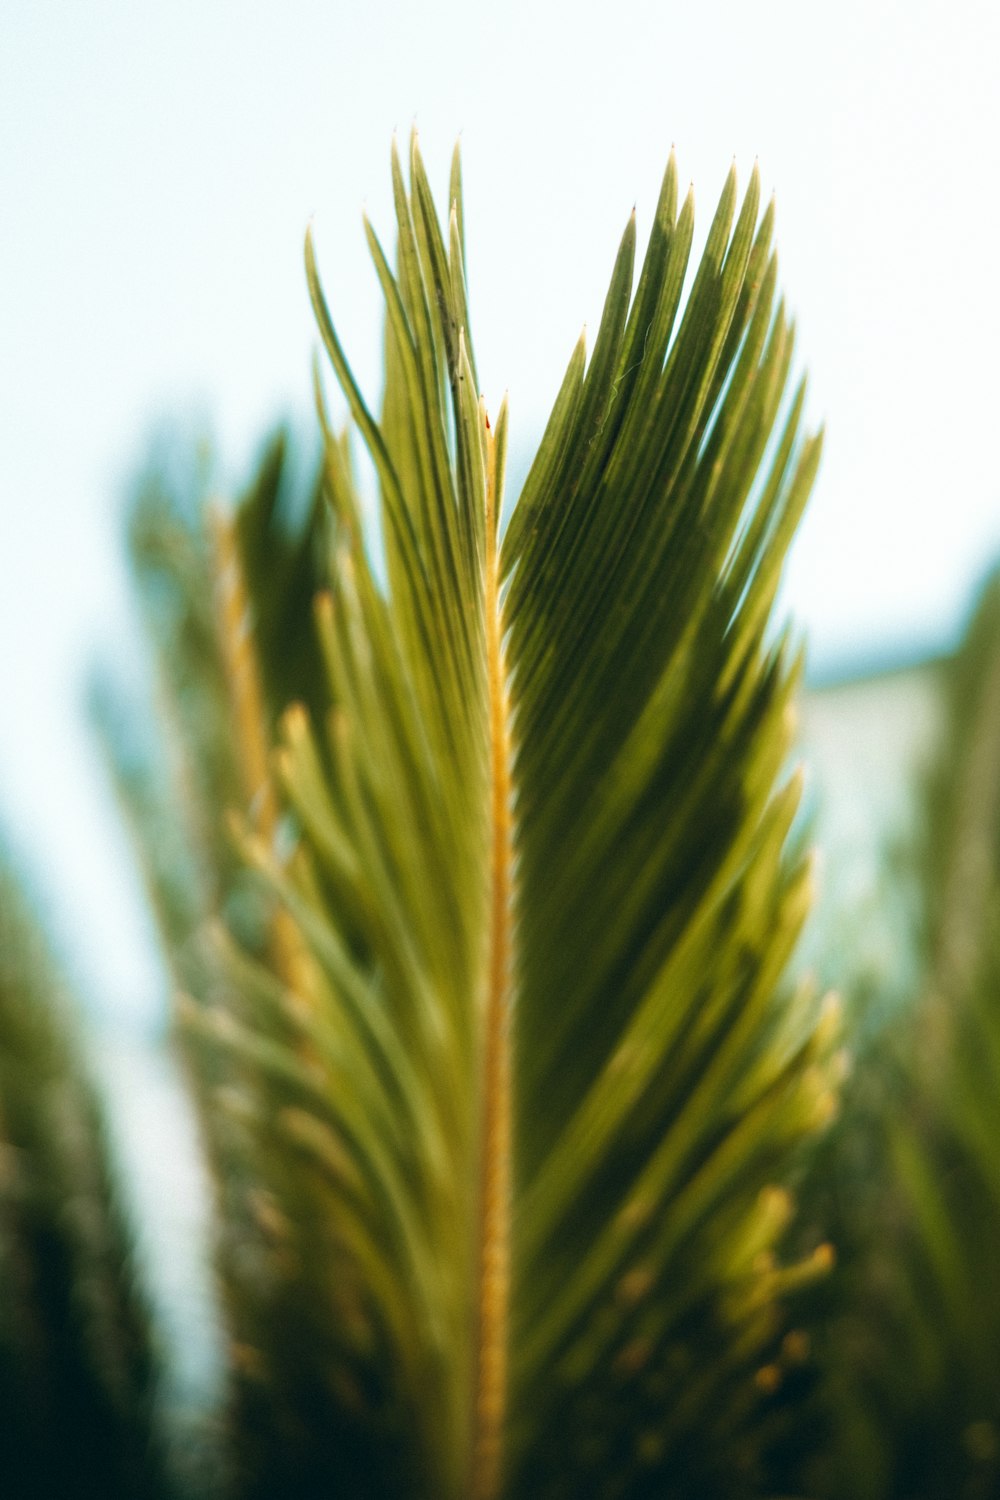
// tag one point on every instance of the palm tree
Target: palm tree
(473, 852)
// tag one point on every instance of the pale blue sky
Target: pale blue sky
(158, 164)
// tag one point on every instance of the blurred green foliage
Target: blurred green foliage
(77, 1354)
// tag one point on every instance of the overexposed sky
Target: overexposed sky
(159, 162)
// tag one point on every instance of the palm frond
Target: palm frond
(77, 1351)
(913, 1390)
(207, 583)
(226, 600)
(534, 1077)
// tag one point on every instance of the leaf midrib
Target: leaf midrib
(493, 1249)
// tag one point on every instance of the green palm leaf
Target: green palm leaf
(913, 1384)
(536, 1068)
(226, 601)
(78, 1367)
(207, 585)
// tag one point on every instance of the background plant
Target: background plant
(77, 1355)
(908, 1184)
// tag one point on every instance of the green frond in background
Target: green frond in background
(913, 1186)
(77, 1364)
(227, 602)
(520, 1084)
(179, 761)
